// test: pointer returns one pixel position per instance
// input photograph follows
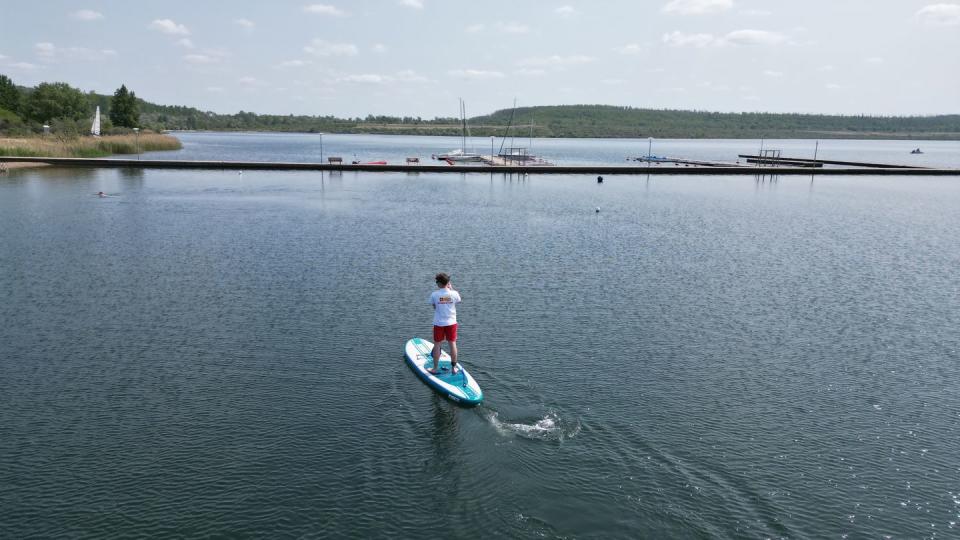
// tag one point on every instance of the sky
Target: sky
(417, 57)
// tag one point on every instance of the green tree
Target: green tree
(9, 95)
(124, 110)
(55, 100)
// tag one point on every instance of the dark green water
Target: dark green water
(207, 353)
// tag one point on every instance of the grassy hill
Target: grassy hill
(581, 121)
(545, 121)
(610, 121)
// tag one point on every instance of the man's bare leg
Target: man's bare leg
(436, 357)
(453, 356)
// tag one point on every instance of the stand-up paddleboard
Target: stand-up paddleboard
(459, 387)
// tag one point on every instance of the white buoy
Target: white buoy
(598, 209)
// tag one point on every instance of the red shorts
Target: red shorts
(448, 333)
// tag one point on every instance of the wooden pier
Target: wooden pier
(476, 168)
(820, 162)
(685, 162)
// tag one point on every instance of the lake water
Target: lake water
(213, 353)
(299, 147)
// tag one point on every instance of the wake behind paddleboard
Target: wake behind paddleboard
(459, 387)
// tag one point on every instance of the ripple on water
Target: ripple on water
(551, 427)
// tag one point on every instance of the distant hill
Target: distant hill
(546, 121)
(581, 121)
(611, 121)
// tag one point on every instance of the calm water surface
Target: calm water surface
(301, 147)
(208, 353)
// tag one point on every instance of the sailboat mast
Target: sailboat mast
(463, 117)
(506, 132)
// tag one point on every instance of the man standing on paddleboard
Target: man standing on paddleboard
(444, 300)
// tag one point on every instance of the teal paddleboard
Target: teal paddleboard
(459, 387)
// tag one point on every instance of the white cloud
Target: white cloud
(475, 74)
(250, 81)
(50, 52)
(26, 66)
(756, 13)
(214, 89)
(940, 14)
(319, 47)
(772, 73)
(681, 39)
(245, 23)
(737, 37)
(832, 86)
(365, 78)
(612, 82)
(874, 60)
(200, 59)
(185, 43)
(826, 67)
(379, 48)
(415, 4)
(512, 28)
(167, 26)
(531, 72)
(556, 61)
(565, 11)
(474, 28)
(87, 15)
(3, 57)
(754, 37)
(293, 63)
(45, 49)
(631, 48)
(696, 7)
(324, 9)
(407, 75)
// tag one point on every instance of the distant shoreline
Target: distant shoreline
(812, 137)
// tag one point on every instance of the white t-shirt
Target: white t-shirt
(445, 303)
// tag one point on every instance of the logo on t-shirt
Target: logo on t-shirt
(445, 300)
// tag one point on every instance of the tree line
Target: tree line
(574, 121)
(63, 108)
(25, 110)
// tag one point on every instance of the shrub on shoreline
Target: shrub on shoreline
(87, 147)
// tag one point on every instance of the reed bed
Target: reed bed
(87, 147)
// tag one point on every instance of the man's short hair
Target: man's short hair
(442, 279)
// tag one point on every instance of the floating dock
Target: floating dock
(478, 168)
(820, 162)
(682, 161)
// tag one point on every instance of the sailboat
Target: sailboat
(95, 128)
(518, 154)
(460, 154)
